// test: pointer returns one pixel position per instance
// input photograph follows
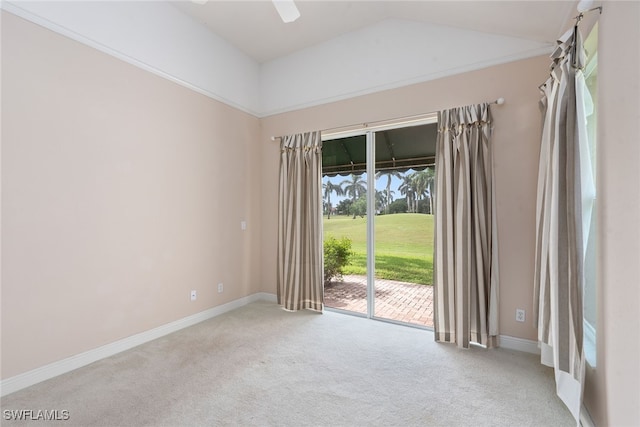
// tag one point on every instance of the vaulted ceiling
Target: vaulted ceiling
(255, 28)
(241, 53)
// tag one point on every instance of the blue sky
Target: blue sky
(381, 184)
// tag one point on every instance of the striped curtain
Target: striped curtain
(300, 268)
(564, 204)
(465, 253)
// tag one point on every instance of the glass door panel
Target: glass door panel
(345, 240)
(378, 223)
(403, 231)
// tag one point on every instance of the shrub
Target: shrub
(398, 206)
(337, 254)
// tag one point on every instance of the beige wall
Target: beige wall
(612, 392)
(516, 142)
(121, 192)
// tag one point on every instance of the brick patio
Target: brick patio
(404, 302)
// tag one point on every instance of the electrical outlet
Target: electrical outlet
(520, 315)
(243, 225)
(220, 288)
(193, 295)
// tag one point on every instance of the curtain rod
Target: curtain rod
(582, 12)
(406, 119)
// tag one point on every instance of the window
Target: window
(590, 288)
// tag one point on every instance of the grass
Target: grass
(403, 242)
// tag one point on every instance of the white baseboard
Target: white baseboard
(265, 296)
(585, 418)
(60, 367)
(520, 344)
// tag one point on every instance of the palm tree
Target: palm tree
(431, 181)
(424, 182)
(407, 188)
(389, 174)
(354, 187)
(420, 182)
(380, 200)
(329, 187)
(389, 199)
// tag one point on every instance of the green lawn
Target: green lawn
(404, 245)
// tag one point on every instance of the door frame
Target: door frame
(369, 131)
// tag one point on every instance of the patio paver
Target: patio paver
(401, 301)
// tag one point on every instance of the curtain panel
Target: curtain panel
(300, 255)
(465, 252)
(564, 204)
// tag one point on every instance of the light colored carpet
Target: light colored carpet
(260, 365)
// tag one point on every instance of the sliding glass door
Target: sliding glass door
(378, 198)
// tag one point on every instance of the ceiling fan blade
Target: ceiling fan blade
(287, 10)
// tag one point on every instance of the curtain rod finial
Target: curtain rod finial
(500, 101)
